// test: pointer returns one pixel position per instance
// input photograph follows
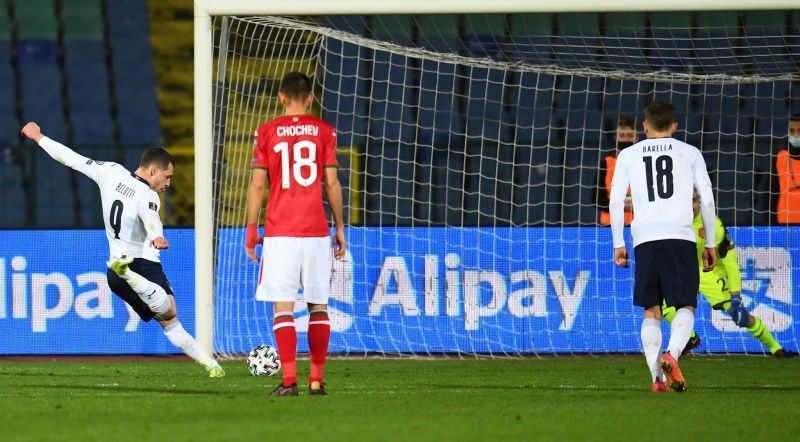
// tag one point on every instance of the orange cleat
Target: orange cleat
(674, 376)
(660, 387)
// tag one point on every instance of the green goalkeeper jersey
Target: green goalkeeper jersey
(727, 262)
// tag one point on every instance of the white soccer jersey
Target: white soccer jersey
(130, 206)
(661, 173)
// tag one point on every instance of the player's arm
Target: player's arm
(255, 198)
(726, 254)
(702, 184)
(61, 153)
(616, 208)
(148, 213)
(333, 192)
(730, 261)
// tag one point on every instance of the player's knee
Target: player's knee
(317, 307)
(169, 311)
(653, 312)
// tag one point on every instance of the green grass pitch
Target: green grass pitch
(554, 398)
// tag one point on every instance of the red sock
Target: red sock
(319, 333)
(286, 338)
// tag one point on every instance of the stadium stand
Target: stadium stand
(8, 84)
(84, 69)
(484, 35)
(133, 73)
(13, 204)
(716, 27)
(397, 29)
(86, 72)
(671, 43)
(577, 44)
(54, 196)
(391, 99)
(625, 34)
(530, 31)
(54, 69)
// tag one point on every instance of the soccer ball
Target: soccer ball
(264, 361)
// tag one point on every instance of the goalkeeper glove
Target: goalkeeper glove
(738, 312)
(251, 237)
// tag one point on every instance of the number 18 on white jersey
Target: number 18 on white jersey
(662, 174)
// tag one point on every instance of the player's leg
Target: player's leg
(149, 292)
(759, 331)
(149, 274)
(651, 346)
(286, 339)
(316, 276)
(180, 338)
(647, 296)
(752, 324)
(123, 291)
(694, 340)
(279, 282)
(680, 281)
(319, 332)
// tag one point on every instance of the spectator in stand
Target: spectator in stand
(787, 174)
(626, 136)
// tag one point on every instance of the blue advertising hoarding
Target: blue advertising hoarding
(421, 290)
(54, 298)
(501, 291)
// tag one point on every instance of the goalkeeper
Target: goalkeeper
(722, 288)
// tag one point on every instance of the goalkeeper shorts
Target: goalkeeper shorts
(715, 289)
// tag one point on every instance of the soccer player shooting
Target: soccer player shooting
(722, 288)
(295, 155)
(663, 174)
(135, 236)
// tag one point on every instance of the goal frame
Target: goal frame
(203, 86)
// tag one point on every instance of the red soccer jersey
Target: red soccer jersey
(295, 149)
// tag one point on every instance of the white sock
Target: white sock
(151, 293)
(681, 331)
(651, 344)
(183, 340)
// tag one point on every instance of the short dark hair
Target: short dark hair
(626, 121)
(794, 118)
(659, 115)
(158, 156)
(296, 85)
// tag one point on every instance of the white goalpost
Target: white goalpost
(471, 136)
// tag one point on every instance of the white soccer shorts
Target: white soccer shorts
(289, 264)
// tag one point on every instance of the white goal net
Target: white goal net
(472, 152)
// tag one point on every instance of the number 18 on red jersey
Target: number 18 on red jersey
(295, 150)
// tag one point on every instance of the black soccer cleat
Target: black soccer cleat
(317, 389)
(784, 354)
(693, 343)
(280, 390)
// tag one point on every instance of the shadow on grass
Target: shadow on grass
(529, 387)
(128, 389)
(597, 388)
